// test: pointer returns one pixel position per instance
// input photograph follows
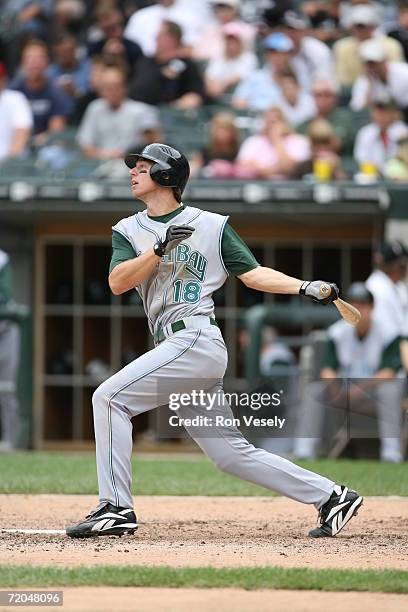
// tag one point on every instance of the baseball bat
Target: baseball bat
(349, 313)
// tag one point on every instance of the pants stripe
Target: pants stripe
(125, 387)
(110, 455)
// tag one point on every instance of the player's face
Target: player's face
(140, 179)
(366, 311)
(400, 268)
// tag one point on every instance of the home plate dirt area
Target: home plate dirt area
(205, 531)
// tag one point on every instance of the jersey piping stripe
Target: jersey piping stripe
(220, 245)
(123, 235)
(194, 218)
(156, 235)
(148, 229)
(160, 317)
(111, 455)
(173, 273)
(125, 387)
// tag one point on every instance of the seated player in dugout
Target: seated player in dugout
(361, 377)
(176, 256)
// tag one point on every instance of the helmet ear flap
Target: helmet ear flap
(160, 176)
(164, 176)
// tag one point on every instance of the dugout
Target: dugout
(58, 233)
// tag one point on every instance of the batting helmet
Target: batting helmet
(171, 168)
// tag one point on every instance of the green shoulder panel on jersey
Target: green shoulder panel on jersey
(330, 359)
(122, 250)
(237, 257)
(391, 357)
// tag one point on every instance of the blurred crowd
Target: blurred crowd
(280, 89)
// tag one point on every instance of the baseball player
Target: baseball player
(368, 357)
(9, 361)
(388, 286)
(176, 256)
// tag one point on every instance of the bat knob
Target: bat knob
(325, 289)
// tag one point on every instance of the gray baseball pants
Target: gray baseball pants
(9, 358)
(177, 363)
(320, 404)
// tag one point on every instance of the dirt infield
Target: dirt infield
(203, 531)
(229, 600)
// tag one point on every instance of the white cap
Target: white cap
(363, 14)
(232, 3)
(372, 51)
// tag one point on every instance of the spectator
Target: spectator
(326, 107)
(369, 351)
(297, 105)
(324, 19)
(399, 31)
(68, 17)
(274, 153)
(217, 159)
(234, 63)
(112, 124)
(324, 162)
(396, 168)
(166, 78)
(113, 42)
(346, 8)
(271, 18)
(16, 120)
(260, 90)
(50, 105)
(9, 360)
(377, 141)
(68, 71)
(97, 66)
(144, 25)
(363, 22)
(32, 16)
(210, 44)
(387, 284)
(381, 78)
(265, 12)
(312, 58)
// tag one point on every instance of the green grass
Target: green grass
(385, 581)
(187, 475)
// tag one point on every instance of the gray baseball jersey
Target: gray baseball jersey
(185, 279)
(181, 287)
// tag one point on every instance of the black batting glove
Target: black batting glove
(174, 235)
(319, 291)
